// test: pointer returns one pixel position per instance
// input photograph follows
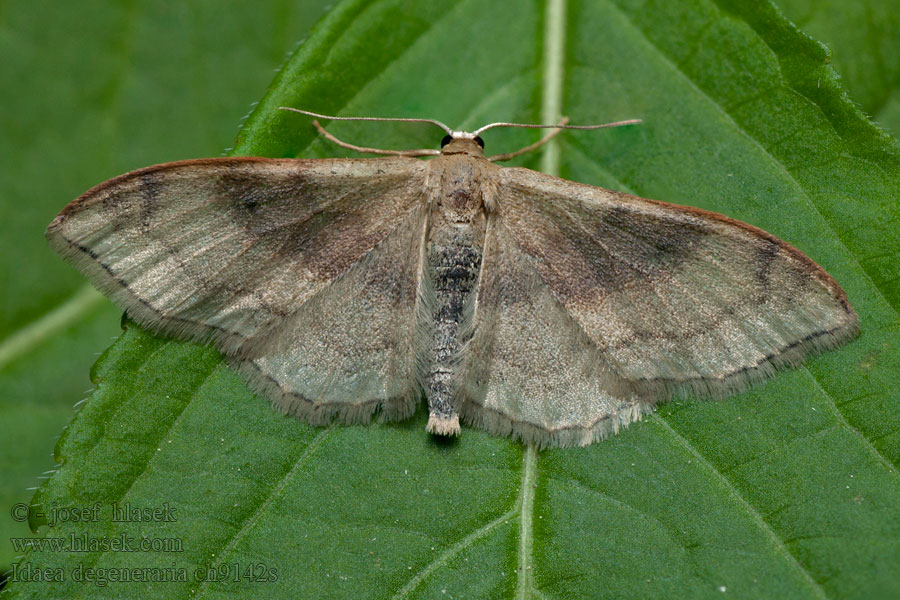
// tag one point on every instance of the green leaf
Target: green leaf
(864, 39)
(790, 490)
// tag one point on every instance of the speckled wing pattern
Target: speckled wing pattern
(595, 305)
(229, 250)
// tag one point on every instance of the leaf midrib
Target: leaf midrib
(548, 164)
(553, 66)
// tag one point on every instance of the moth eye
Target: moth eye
(479, 141)
(446, 140)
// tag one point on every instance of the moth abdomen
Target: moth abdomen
(454, 262)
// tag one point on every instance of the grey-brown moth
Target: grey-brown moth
(528, 305)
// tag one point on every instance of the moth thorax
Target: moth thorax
(462, 206)
(461, 198)
(461, 145)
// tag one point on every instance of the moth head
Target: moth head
(455, 142)
(462, 142)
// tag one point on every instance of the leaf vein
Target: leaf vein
(842, 421)
(448, 554)
(274, 492)
(146, 469)
(755, 516)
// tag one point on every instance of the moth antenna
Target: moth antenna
(508, 155)
(399, 119)
(343, 144)
(558, 126)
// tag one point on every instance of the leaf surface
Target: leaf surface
(864, 41)
(789, 490)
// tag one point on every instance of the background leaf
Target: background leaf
(790, 490)
(864, 38)
(89, 90)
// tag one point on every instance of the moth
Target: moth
(527, 305)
